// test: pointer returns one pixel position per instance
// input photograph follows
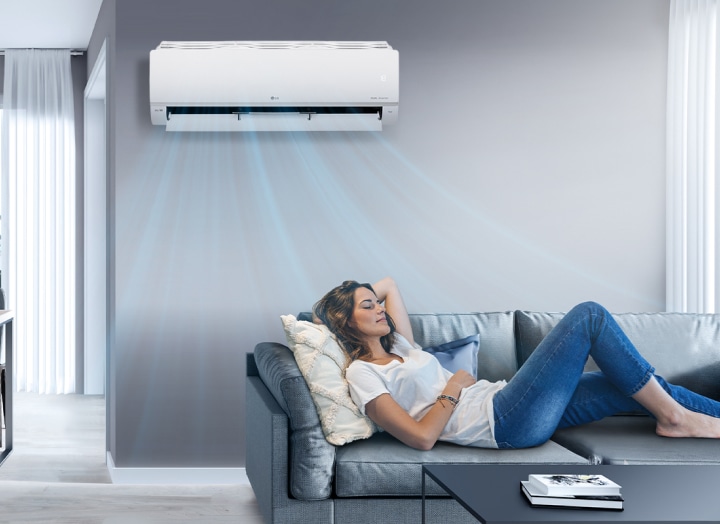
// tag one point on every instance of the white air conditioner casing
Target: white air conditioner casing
(274, 86)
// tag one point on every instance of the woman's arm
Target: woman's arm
(422, 434)
(387, 291)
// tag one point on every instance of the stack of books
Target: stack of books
(573, 491)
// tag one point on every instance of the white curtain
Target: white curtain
(691, 200)
(38, 216)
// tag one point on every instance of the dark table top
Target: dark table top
(655, 494)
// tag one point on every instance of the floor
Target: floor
(56, 473)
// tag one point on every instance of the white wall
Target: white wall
(526, 171)
(551, 132)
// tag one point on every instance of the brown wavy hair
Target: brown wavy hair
(335, 310)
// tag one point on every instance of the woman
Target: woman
(405, 391)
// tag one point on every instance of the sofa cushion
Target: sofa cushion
(683, 347)
(496, 356)
(311, 455)
(632, 440)
(382, 466)
(322, 362)
(458, 354)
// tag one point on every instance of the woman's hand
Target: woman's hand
(388, 292)
(459, 381)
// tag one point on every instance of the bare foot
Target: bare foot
(686, 423)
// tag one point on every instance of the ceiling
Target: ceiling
(62, 24)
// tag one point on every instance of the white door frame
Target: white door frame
(95, 230)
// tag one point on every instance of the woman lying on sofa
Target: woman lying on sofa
(406, 391)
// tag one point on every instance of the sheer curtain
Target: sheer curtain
(691, 201)
(38, 216)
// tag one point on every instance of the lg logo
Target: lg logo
(274, 98)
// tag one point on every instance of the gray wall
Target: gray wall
(526, 171)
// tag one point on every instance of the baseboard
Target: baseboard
(175, 475)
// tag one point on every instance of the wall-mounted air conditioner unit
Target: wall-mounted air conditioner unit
(274, 86)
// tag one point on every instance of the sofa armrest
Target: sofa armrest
(267, 461)
(266, 428)
(311, 456)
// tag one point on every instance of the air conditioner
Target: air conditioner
(273, 86)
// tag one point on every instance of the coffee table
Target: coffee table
(655, 494)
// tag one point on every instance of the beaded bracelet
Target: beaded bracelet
(450, 399)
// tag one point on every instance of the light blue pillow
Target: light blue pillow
(459, 354)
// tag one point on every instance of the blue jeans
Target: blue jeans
(550, 390)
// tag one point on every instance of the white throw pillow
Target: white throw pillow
(322, 362)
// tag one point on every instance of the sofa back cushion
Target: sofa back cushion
(497, 359)
(683, 347)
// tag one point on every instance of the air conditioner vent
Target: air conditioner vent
(274, 45)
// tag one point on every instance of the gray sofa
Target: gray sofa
(298, 476)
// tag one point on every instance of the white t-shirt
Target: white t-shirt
(415, 384)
